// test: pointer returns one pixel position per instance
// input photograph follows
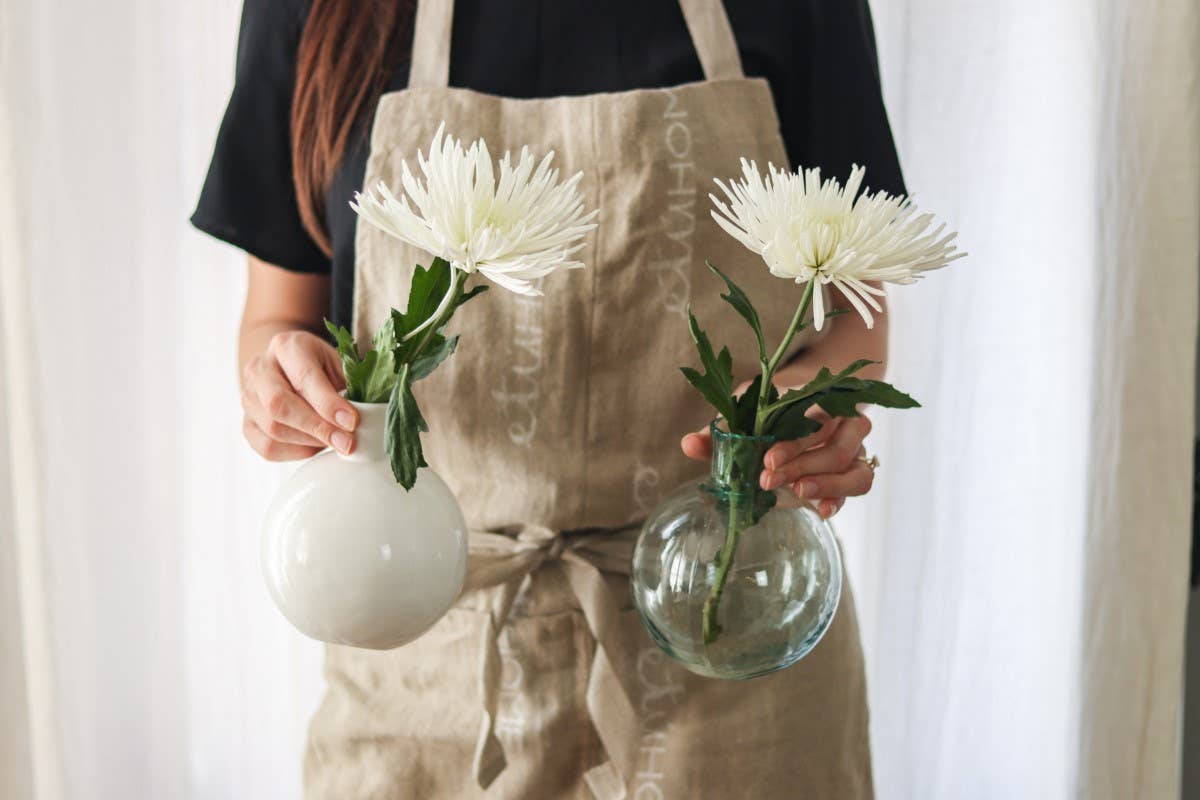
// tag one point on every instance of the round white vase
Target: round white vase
(352, 558)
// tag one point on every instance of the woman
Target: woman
(541, 683)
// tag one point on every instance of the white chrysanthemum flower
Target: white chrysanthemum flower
(514, 231)
(808, 230)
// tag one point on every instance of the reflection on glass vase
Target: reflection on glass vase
(731, 580)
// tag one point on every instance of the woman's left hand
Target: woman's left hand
(825, 467)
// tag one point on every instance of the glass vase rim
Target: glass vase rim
(720, 433)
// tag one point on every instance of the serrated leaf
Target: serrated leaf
(437, 351)
(824, 380)
(839, 394)
(742, 305)
(352, 366)
(343, 339)
(843, 400)
(358, 377)
(746, 410)
(716, 382)
(791, 422)
(404, 428)
(425, 293)
(474, 292)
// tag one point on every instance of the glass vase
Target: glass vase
(731, 580)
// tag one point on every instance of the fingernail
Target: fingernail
(770, 480)
(344, 419)
(806, 489)
(341, 441)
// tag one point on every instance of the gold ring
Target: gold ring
(872, 462)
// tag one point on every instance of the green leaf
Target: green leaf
(404, 428)
(437, 351)
(352, 366)
(343, 339)
(791, 422)
(359, 375)
(475, 292)
(379, 374)
(842, 400)
(839, 394)
(716, 383)
(425, 293)
(742, 305)
(824, 380)
(746, 411)
(430, 348)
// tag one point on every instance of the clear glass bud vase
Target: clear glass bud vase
(731, 580)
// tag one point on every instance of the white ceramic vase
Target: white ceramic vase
(352, 558)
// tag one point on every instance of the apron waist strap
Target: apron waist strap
(503, 560)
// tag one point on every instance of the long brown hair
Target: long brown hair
(343, 62)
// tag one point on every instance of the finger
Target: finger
(830, 506)
(303, 362)
(285, 406)
(698, 445)
(853, 482)
(278, 431)
(785, 451)
(834, 455)
(272, 449)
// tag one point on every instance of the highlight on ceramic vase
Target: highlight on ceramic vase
(370, 549)
(729, 579)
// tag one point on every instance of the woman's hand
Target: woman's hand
(291, 401)
(825, 467)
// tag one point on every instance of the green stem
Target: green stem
(455, 290)
(768, 369)
(733, 532)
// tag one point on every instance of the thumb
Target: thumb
(697, 445)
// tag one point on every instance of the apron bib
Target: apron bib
(557, 423)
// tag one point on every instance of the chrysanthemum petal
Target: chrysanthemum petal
(514, 222)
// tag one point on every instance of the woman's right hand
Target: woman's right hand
(291, 401)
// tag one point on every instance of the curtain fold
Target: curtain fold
(30, 763)
(1020, 565)
(1142, 405)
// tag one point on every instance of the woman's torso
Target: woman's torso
(576, 47)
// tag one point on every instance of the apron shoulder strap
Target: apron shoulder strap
(430, 67)
(712, 36)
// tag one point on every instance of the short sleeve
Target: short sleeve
(837, 117)
(248, 198)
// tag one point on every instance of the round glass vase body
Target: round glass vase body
(352, 558)
(733, 581)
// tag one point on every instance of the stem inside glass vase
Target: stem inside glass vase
(737, 462)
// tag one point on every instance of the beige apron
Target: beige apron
(557, 425)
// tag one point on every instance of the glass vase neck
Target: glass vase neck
(737, 459)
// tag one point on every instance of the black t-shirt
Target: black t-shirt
(818, 56)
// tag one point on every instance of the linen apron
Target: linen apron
(557, 426)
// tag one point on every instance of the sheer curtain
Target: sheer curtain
(1020, 566)
(159, 668)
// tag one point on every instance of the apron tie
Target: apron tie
(504, 560)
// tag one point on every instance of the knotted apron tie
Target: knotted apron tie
(504, 560)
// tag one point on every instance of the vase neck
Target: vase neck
(737, 460)
(370, 437)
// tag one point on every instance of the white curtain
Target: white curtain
(157, 666)
(1020, 567)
